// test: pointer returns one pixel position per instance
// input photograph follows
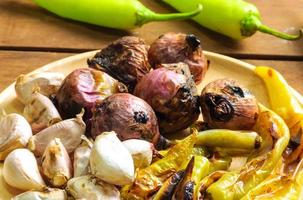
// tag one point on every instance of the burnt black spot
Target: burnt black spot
(189, 191)
(235, 90)
(193, 41)
(141, 117)
(220, 108)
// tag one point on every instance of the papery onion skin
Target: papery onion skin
(228, 105)
(125, 60)
(172, 96)
(179, 47)
(129, 116)
(83, 88)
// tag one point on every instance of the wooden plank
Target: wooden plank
(24, 25)
(14, 63)
(291, 70)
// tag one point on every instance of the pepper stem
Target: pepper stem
(148, 16)
(285, 36)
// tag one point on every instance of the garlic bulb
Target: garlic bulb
(15, 132)
(68, 131)
(40, 112)
(86, 187)
(81, 160)
(48, 82)
(111, 161)
(50, 194)
(20, 170)
(141, 151)
(56, 164)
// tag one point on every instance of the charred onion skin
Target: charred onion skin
(125, 60)
(228, 105)
(173, 96)
(129, 116)
(179, 47)
(83, 88)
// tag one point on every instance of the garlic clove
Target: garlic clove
(48, 82)
(20, 170)
(56, 164)
(68, 131)
(81, 160)
(15, 132)
(111, 161)
(141, 151)
(86, 187)
(40, 112)
(50, 194)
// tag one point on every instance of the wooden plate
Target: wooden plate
(220, 67)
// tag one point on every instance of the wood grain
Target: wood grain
(25, 26)
(14, 63)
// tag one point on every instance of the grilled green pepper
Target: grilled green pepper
(234, 18)
(234, 185)
(119, 14)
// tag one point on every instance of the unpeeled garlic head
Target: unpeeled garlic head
(81, 160)
(86, 187)
(141, 151)
(68, 131)
(15, 132)
(48, 82)
(40, 112)
(56, 164)
(20, 170)
(111, 161)
(50, 194)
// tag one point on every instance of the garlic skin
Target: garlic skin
(15, 132)
(141, 151)
(111, 161)
(68, 131)
(51, 194)
(86, 187)
(48, 82)
(81, 160)
(40, 112)
(20, 170)
(56, 164)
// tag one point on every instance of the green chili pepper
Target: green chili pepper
(234, 18)
(206, 182)
(234, 185)
(196, 169)
(229, 138)
(279, 187)
(221, 163)
(150, 179)
(119, 14)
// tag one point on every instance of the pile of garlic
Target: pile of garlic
(50, 158)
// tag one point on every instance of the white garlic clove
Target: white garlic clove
(40, 112)
(81, 160)
(68, 131)
(111, 161)
(56, 164)
(20, 170)
(48, 82)
(15, 132)
(86, 187)
(141, 151)
(50, 194)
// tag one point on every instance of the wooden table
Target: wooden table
(31, 37)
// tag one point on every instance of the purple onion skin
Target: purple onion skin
(125, 60)
(129, 116)
(179, 47)
(83, 89)
(172, 97)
